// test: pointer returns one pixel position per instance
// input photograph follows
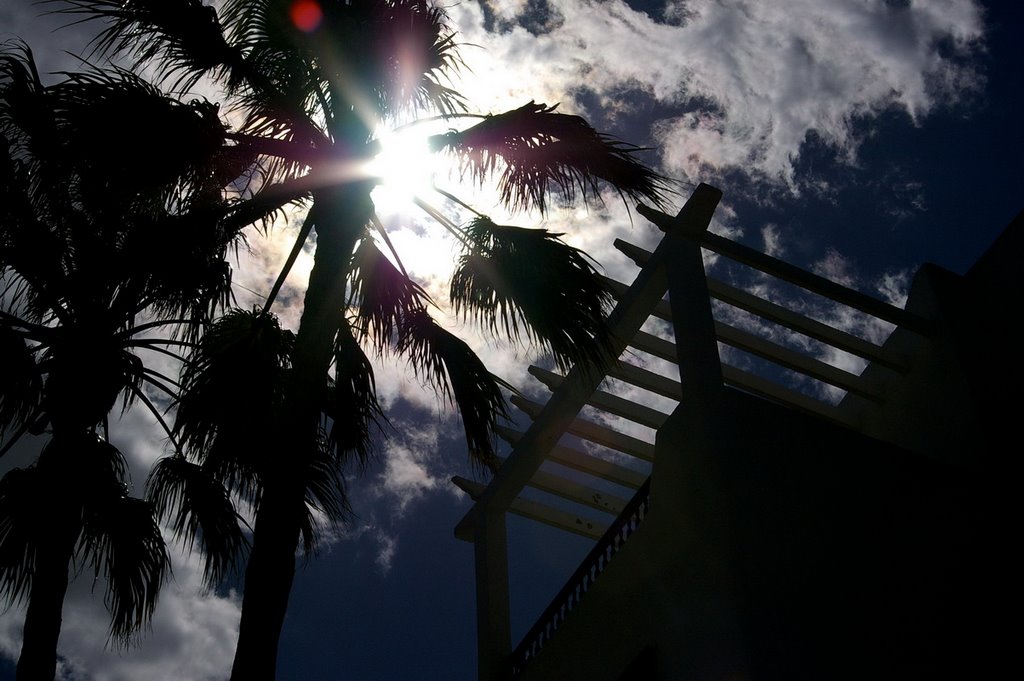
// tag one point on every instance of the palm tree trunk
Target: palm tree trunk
(338, 215)
(268, 583)
(38, 660)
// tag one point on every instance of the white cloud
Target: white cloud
(406, 477)
(837, 267)
(408, 459)
(387, 546)
(894, 287)
(755, 77)
(772, 240)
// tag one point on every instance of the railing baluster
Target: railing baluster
(586, 574)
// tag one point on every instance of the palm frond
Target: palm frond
(21, 386)
(87, 371)
(404, 53)
(107, 117)
(182, 37)
(517, 281)
(199, 511)
(233, 387)
(351, 403)
(84, 467)
(160, 346)
(449, 364)
(24, 113)
(324, 492)
(539, 151)
(158, 416)
(300, 243)
(276, 87)
(381, 294)
(267, 204)
(122, 541)
(180, 261)
(22, 509)
(161, 382)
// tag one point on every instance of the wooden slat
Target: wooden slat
(763, 387)
(586, 463)
(791, 359)
(646, 379)
(789, 319)
(744, 380)
(577, 493)
(601, 435)
(587, 527)
(800, 277)
(659, 347)
(605, 401)
(811, 328)
(653, 345)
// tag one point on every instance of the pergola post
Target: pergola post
(700, 368)
(675, 265)
(687, 483)
(494, 630)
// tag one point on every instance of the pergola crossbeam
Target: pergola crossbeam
(646, 379)
(585, 463)
(577, 493)
(601, 435)
(605, 401)
(532, 510)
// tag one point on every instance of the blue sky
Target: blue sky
(857, 138)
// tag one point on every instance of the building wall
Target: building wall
(958, 400)
(779, 546)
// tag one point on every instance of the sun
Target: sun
(405, 167)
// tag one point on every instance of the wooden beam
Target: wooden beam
(585, 463)
(577, 493)
(648, 380)
(664, 349)
(542, 513)
(588, 430)
(789, 319)
(768, 350)
(811, 328)
(796, 361)
(605, 401)
(776, 392)
(693, 324)
(800, 277)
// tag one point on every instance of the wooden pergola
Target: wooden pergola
(675, 268)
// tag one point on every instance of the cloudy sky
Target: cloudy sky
(856, 138)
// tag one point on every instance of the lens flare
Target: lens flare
(306, 15)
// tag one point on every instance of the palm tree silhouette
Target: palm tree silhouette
(89, 285)
(312, 83)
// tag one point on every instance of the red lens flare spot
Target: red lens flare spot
(306, 15)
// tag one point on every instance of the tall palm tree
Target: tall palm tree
(313, 82)
(89, 286)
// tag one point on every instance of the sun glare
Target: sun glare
(306, 15)
(405, 167)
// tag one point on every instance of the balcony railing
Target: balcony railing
(583, 579)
